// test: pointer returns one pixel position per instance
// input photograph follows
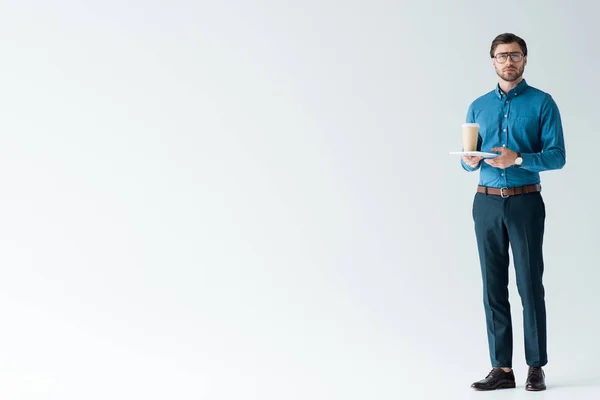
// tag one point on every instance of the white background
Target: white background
(254, 199)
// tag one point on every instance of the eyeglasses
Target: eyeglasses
(502, 57)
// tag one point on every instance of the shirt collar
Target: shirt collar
(513, 92)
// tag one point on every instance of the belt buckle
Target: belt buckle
(504, 196)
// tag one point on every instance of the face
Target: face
(510, 70)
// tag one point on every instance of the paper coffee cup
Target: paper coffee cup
(469, 136)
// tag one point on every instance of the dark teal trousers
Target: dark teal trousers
(517, 221)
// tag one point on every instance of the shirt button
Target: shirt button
(506, 102)
(503, 145)
(504, 130)
(501, 174)
(505, 116)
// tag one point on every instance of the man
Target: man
(523, 125)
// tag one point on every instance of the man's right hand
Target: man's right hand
(472, 161)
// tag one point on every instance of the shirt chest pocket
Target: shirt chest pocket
(526, 126)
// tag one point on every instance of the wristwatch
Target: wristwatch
(519, 160)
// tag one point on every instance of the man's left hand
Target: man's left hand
(504, 160)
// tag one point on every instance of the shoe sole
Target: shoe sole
(535, 390)
(509, 385)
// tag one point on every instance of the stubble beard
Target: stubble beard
(511, 76)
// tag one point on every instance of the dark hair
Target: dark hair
(506, 38)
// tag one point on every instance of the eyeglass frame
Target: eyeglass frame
(510, 54)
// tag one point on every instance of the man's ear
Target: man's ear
(525, 63)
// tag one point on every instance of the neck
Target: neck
(508, 86)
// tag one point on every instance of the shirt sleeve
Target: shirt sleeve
(553, 154)
(470, 119)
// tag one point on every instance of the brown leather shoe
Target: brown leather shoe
(536, 379)
(496, 379)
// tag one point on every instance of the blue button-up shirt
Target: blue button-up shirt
(525, 120)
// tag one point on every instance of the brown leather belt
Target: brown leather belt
(507, 192)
